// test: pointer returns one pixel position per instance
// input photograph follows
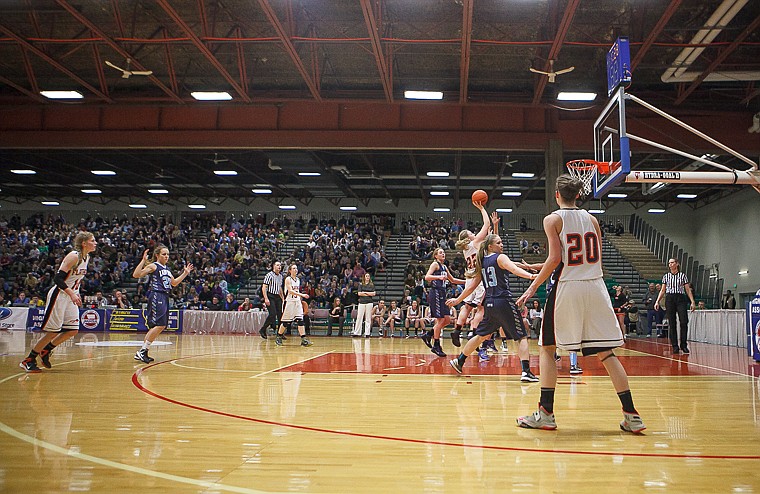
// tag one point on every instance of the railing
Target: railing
(706, 287)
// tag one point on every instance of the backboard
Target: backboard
(611, 144)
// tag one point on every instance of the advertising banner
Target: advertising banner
(13, 317)
(753, 326)
(135, 320)
(89, 319)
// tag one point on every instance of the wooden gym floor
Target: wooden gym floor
(218, 413)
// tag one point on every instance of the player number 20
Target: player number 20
(575, 251)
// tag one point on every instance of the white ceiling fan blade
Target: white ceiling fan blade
(537, 71)
(142, 72)
(565, 71)
(115, 66)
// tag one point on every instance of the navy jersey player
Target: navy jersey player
(500, 309)
(438, 275)
(578, 314)
(160, 283)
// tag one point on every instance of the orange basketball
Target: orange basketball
(480, 196)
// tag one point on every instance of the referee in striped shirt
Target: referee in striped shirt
(675, 287)
(271, 290)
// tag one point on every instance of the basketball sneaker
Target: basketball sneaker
(278, 340)
(540, 419)
(438, 351)
(483, 355)
(455, 339)
(45, 357)
(684, 349)
(306, 342)
(528, 377)
(263, 333)
(455, 364)
(632, 423)
(142, 356)
(30, 365)
(574, 369)
(427, 339)
(490, 346)
(504, 348)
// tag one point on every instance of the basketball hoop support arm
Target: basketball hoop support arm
(750, 177)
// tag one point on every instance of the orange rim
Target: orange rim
(589, 165)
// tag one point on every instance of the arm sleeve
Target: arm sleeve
(60, 279)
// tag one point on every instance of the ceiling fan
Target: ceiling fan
(216, 160)
(506, 162)
(552, 73)
(126, 73)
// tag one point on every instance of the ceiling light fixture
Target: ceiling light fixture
(24, 172)
(348, 208)
(211, 95)
(225, 172)
(196, 206)
(687, 196)
(656, 211)
(744, 272)
(596, 211)
(441, 210)
(158, 191)
(423, 94)
(62, 94)
(285, 206)
(138, 206)
(103, 173)
(50, 203)
(617, 196)
(575, 96)
(437, 174)
(511, 193)
(92, 191)
(261, 191)
(503, 210)
(309, 174)
(439, 192)
(523, 175)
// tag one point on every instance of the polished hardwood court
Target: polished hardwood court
(221, 413)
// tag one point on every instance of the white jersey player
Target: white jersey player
(293, 311)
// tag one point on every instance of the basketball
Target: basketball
(480, 196)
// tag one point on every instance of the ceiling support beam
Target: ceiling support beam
(655, 33)
(241, 60)
(719, 59)
(559, 39)
(377, 48)
(371, 167)
(289, 47)
(30, 72)
(116, 47)
(34, 96)
(425, 197)
(99, 69)
(28, 46)
(170, 65)
(204, 49)
(464, 63)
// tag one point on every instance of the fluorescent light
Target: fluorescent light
(283, 206)
(439, 192)
(138, 206)
(423, 95)
(62, 94)
(575, 96)
(617, 196)
(104, 173)
(523, 175)
(225, 172)
(596, 211)
(50, 203)
(437, 174)
(92, 191)
(687, 196)
(441, 210)
(309, 174)
(261, 191)
(511, 193)
(503, 210)
(211, 95)
(744, 272)
(24, 172)
(348, 208)
(196, 206)
(658, 185)
(656, 211)
(158, 191)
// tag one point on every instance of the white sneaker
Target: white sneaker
(540, 419)
(632, 423)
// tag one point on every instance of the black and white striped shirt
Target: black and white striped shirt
(674, 283)
(273, 283)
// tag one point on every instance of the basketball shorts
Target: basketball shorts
(475, 298)
(60, 312)
(501, 313)
(293, 311)
(158, 309)
(437, 302)
(579, 317)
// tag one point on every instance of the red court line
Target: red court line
(138, 385)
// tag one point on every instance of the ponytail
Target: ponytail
(463, 240)
(490, 238)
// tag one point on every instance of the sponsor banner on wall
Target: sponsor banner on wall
(89, 319)
(753, 325)
(13, 317)
(135, 320)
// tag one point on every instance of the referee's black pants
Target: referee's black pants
(275, 312)
(675, 303)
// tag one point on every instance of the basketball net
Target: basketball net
(584, 170)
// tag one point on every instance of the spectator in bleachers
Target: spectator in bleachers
(535, 317)
(21, 300)
(379, 316)
(335, 317)
(120, 300)
(214, 304)
(414, 318)
(230, 304)
(394, 319)
(651, 316)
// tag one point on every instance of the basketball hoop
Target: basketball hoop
(584, 170)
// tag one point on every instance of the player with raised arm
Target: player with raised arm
(578, 314)
(160, 283)
(61, 320)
